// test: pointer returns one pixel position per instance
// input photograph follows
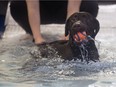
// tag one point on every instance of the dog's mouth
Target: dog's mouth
(80, 37)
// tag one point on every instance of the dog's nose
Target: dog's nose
(79, 27)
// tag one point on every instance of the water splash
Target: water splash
(96, 41)
(84, 52)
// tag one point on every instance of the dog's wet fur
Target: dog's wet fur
(67, 49)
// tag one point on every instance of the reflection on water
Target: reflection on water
(61, 83)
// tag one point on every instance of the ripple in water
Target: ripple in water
(17, 65)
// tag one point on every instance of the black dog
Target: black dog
(68, 49)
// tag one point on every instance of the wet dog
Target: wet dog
(69, 49)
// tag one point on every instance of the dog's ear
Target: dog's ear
(96, 27)
(93, 25)
(71, 39)
(67, 27)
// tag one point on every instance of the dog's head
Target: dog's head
(81, 22)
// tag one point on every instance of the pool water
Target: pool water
(14, 53)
